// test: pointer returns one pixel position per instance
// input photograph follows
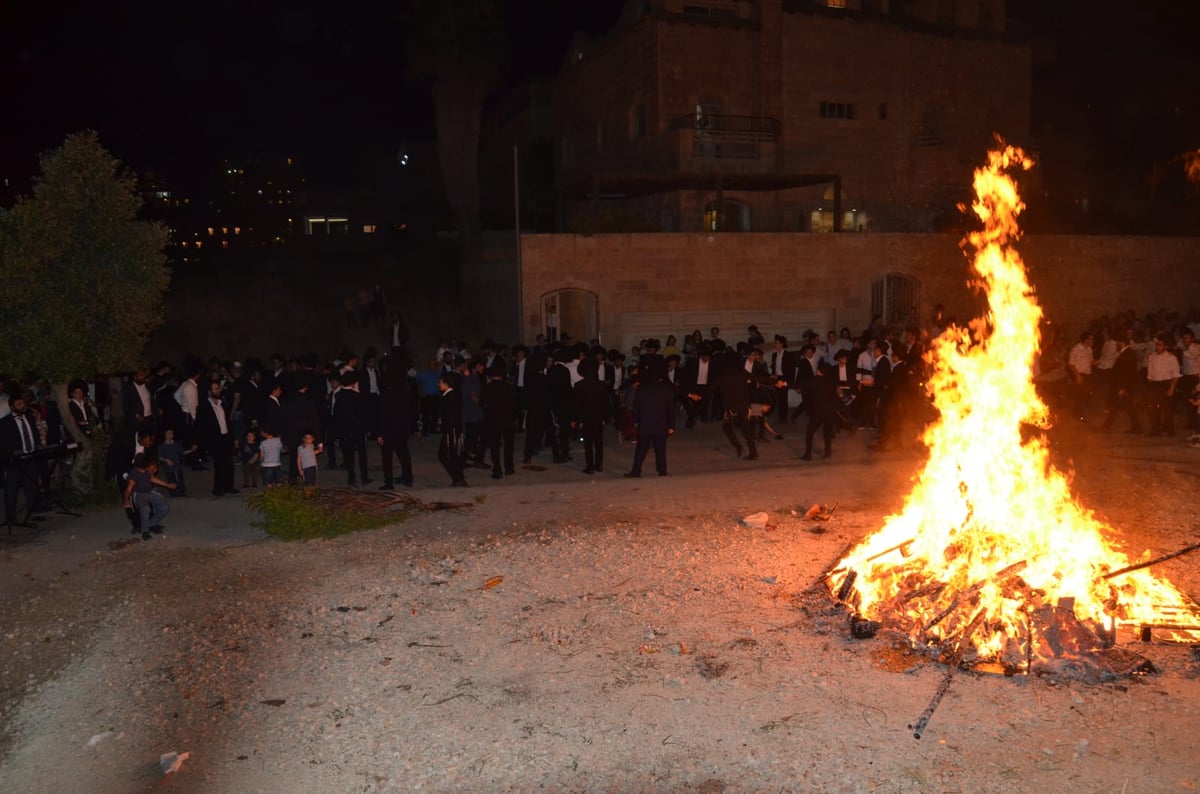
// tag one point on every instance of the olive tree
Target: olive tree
(82, 279)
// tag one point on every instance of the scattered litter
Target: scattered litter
(273, 702)
(171, 762)
(821, 512)
(490, 583)
(98, 738)
(757, 520)
(769, 579)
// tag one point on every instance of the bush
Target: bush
(297, 513)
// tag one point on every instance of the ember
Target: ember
(991, 559)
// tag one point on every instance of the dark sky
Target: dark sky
(172, 85)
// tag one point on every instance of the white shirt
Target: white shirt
(1080, 358)
(778, 362)
(573, 367)
(144, 393)
(372, 381)
(521, 373)
(219, 409)
(1108, 354)
(702, 373)
(1162, 367)
(187, 397)
(25, 431)
(866, 368)
(1191, 359)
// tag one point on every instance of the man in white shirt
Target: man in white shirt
(1079, 370)
(1189, 368)
(1162, 375)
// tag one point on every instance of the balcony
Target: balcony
(720, 135)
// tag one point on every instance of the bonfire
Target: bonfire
(991, 558)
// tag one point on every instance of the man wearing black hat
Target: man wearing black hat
(780, 369)
(654, 417)
(350, 428)
(499, 401)
(450, 451)
(697, 385)
(397, 415)
(591, 408)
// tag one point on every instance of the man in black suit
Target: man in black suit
(137, 402)
(803, 374)
(300, 416)
(451, 448)
(499, 401)
(734, 384)
(214, 432)
(1121, 384)
(821, 398)
(698, 379)
(397, 415)
(350, 428)
(654, 417)
(18, 435)
(781, 367)
(537, 405)
(591, 407)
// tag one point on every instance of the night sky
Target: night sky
(175, 86)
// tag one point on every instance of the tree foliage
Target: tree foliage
(81, 278)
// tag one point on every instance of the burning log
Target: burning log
(847, 586)
(1155, 561)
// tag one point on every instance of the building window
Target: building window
(368, 228)
(696, 9)
(836, 110)
(835, 3)
(930, 133)
(637, 123)
(897, 298)
(883, 111)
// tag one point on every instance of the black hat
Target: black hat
(498, 369)
(652, 344)
(674, 357)
(452, 379)
(349, 378)
(781, 339)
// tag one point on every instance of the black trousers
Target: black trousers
(397, 447)
(593, 444)
(824, 420)
(748, 433)
(222, 461)
(498, 438)
(450, 453)
(535, 428)
(644, 443)
(352, 448)
(18, 477)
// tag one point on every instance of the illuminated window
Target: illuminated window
(368, 228)
(210, 231)
(237, 229)
(224, 230)
(224, 243)
(185, 243)
(199, 243)
(835, 3)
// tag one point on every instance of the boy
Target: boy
(170, 455)
(270, 455)
(140, 493)
(306, 457)
(250, 456)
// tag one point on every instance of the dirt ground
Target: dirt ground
(565, 633)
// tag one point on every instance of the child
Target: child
(270, 453)
(140, 493)
(306, 457)
(170, 455)
(250, 455)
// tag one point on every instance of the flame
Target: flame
(990, 530)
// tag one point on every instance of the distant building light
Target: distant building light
(210, 231)
(368, 228)
(224, 230)
(224, 243)
(199, 243)
(237, 229)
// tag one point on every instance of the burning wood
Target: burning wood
(998, 562)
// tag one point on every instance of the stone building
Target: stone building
(784, 115)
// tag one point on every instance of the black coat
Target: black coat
(499, 401)
(451, 403)
(348, 417)
(591, 401)
(10, 436)
(654, 408)
(208, 431)
(300, 416)
(397, 410)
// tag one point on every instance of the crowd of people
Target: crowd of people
(283, 420)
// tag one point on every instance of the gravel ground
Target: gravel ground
(564, 634)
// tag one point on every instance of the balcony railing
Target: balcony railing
(728, 126)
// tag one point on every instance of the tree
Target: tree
(459, 45)
(81, 278)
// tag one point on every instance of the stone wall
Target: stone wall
(674, 283)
